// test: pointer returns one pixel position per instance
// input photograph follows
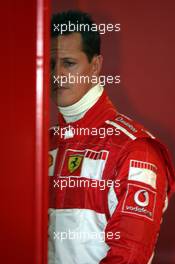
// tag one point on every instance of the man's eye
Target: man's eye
(69, 63)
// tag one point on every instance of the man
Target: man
(110, 179)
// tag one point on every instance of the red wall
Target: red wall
(143, 55)
(23, 156)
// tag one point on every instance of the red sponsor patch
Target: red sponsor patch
(140, 201)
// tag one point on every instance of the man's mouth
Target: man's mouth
(59, 87)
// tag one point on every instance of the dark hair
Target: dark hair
(90, 38)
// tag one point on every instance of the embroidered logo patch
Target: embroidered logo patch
(143, 172)
(86, 163)
(50, 160)
(74, 162)
(139, 201)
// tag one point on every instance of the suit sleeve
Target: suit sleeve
(141, 199)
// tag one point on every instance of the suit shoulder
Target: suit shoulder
(129, 129)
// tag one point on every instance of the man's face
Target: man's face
(68, 59)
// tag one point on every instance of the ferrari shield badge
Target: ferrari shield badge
(74, 162)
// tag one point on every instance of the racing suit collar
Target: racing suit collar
(95, 117)
(76, 111)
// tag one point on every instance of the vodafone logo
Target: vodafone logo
(141, 198)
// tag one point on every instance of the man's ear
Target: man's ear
(96, 62)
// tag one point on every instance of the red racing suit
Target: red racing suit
(110, 181)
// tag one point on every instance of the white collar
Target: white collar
(76, 111)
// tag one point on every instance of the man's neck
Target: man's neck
(76, 111)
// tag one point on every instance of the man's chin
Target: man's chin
(62, 102)
(59, 96)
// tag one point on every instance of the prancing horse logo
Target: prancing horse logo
(74, 162)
